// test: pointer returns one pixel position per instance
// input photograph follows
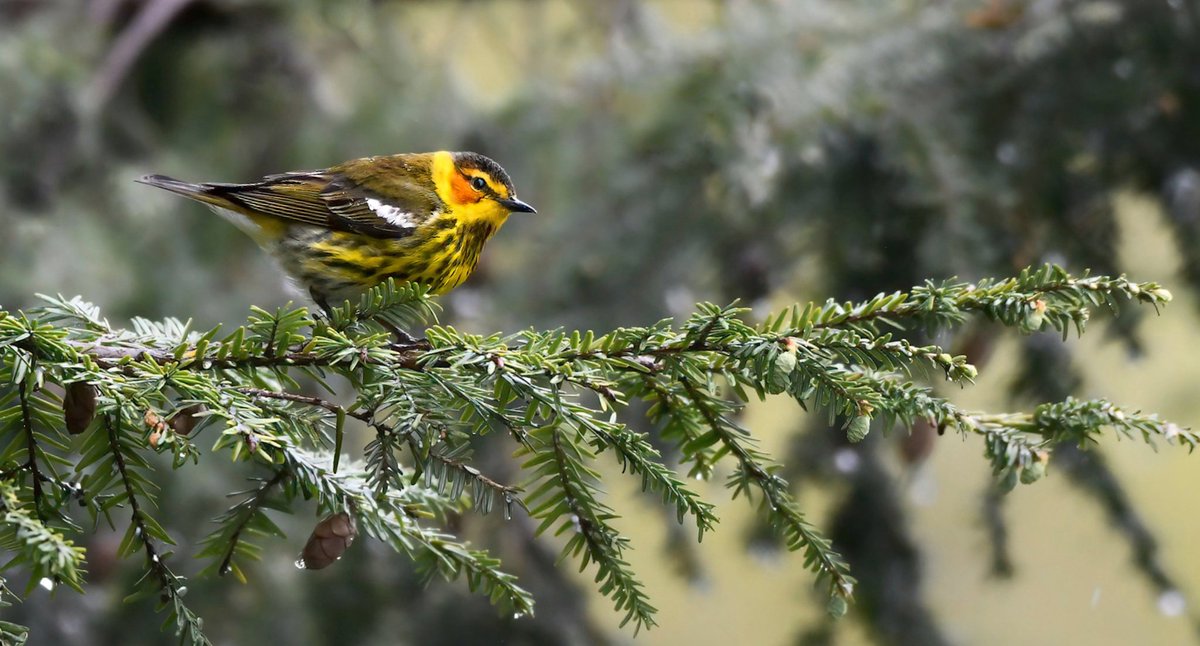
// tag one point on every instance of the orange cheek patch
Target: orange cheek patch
(461, 191)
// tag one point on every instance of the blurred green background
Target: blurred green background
(677, 150)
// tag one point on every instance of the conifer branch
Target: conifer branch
(305, 399)
(562, 398)
(508, 493)
(393, 521)
(1048, 294)
(31, 448)
(142, 530)
(247, 515)
(782, 510)
(584, 519)
(51, 556)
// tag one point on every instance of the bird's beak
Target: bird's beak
(516, 206)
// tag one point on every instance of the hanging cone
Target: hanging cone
(186, 420)
(79, 406)
(328, 541)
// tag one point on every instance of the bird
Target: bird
(338, 231)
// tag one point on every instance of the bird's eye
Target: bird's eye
(479, 183)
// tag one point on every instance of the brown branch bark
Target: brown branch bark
(111, 356)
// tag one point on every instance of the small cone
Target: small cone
(328, 541)
(185, 420)
(79, 406)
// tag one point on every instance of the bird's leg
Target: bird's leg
(402, 338)
(319, 299)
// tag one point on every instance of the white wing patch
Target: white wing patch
(392, 214)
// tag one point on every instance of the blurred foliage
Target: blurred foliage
(682, 151)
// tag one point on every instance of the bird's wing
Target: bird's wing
(367, 211)
(333, 201)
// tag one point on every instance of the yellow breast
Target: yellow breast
(442, 254)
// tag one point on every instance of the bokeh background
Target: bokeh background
(677, 150)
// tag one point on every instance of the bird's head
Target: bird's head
(475, 186)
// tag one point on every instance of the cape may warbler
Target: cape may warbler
(420, 217)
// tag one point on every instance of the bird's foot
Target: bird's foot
(404, 340)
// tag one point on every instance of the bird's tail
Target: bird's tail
(198, 192)
(261, 227)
